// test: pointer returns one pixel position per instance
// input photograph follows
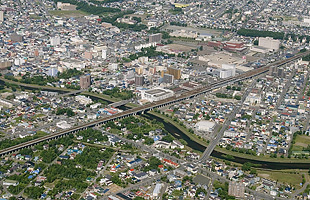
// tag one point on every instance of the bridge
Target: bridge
(140, 110)
(71, 93)
(119, 103)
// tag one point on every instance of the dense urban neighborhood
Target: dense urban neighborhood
(145, 99)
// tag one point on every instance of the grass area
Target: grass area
(67, 13)
(184, 130)
(303, 140)
(283, 176)
(38, 116)
(131, 105)
(261, 158)
(102, 96)
(35, 17)
(184, 39)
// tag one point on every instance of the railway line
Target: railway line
(151, 106)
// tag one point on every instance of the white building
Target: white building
(55, 41)
(104, 54)
(6, 104)
(83, 100)
(53, 71)
(205, 126)
(1, 16)
(113, 66)
(156, 94)
(269, 43)
(63, 125)
(10, 182)
(156, 191)
(227, 71)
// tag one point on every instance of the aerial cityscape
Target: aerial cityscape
(154, 99)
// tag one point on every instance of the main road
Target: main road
(140, 110)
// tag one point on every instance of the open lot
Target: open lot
(287, 177)
(67, 13)
(302, 141)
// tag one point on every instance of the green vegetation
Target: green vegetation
(43, 80)
(222, 189)
(241, 150)
(67, 13)
(68, 176)
(6, 143)
(286, 177)
(34, 192)
(227, 96)
(135, 27)
(85, 7)
(118, 93)
(307, 58)
(178, 24)
(175, 122)
(256, 33)
(68, 111)
(91, 157)
(176, 11)
(112, 19)
(233, 88)
(153, 164)
(92, 135)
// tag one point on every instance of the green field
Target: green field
(67, 13)
(302, 141)
(287, 177)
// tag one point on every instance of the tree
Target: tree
(168, 138)
(148, 141)
(247, 166)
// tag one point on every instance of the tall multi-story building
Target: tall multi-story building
(85, 81)
(104, 54)
(155, 38)
(269, 43)
(52, 71)
(175, 72)
(139, 80)
(1, 16)
(168, 78)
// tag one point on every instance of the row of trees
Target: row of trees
(43, 80)
(227, 96)
(85, 7)
(256, 33)
(178, 24)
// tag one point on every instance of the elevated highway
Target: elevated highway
(157, 104)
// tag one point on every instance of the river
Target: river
(177, 133)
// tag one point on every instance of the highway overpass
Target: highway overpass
(151, 106)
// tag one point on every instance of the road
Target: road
(225, 125)
(287, 85)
